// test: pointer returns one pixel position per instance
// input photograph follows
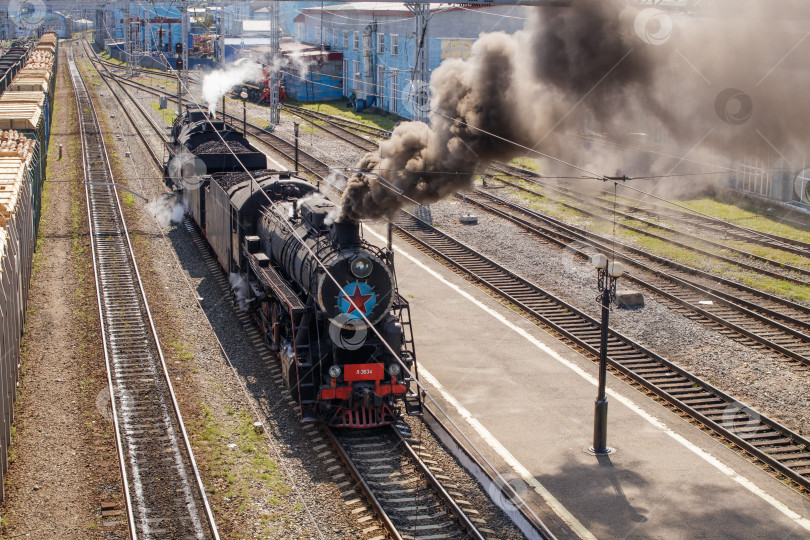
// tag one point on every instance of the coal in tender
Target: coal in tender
(229, 179)
(218, 147)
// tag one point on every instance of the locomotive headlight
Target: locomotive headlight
(334, 372)
(394, 369)
(361, 267)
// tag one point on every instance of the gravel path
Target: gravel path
(63, 467)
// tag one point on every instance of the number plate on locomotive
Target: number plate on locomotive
(363, 372)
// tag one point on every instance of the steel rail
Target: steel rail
(105, 341)
(683, 245)
(700, 273)
(686, 269)
(333, 127)
(106, 78)
(308, 162)
(344, 123)
(779, 448)
(135, 355)
(565, 236)
(337, 131)
(696, 220)
(396, 526)
(439, 488)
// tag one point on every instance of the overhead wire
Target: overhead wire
(332, 278)
(311, 515)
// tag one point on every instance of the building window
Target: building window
(345, 76)
(335, 39)
(345, 39)
(456, 48)
(380, 85)
(356, 40)
(394, 102)
(394, 44)
(380, 43)
(357, 77)
(299, 32)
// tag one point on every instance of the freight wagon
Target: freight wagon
(27, 82)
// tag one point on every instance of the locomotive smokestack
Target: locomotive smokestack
(346, 232)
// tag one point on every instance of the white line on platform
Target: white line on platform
(496, 445)
(523, 472)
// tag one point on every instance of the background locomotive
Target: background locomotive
(267, 231)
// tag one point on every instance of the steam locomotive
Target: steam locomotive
(325, 299)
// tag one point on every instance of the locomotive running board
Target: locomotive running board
(268, 277)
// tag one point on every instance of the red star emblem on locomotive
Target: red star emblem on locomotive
(358, 299)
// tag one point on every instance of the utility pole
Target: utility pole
(127, 41)
(421, 71)
(185, 26)
(275, 63)
(221, 43)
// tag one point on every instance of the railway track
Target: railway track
(163, 491)
(781, 450)
(716, 227)
(109, 79)
(341, 128)
(713, 250)
(399, 482)
(784, 329)
(307, 162)
(393, 475)
(334, 129)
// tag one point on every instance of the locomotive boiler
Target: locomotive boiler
(325, 299)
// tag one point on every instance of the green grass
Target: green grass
(243, 476)
(308, 128)
(168, 115)
(773, 254)
(746, 216)
(338, 108)
(526, 163)
(665, 248)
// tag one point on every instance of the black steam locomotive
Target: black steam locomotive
(269, 229)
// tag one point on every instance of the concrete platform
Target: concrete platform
(527, 401)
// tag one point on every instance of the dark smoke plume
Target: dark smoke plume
(592, 64)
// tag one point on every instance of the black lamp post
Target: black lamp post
(609, 273)
(244, 96)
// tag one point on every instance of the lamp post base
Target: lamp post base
(604, 452)
(600, 425)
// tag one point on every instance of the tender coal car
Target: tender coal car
(269, 230)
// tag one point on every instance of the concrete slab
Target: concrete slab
(527, 400)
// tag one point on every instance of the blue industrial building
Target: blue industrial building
(378, 43)
(157, 25)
